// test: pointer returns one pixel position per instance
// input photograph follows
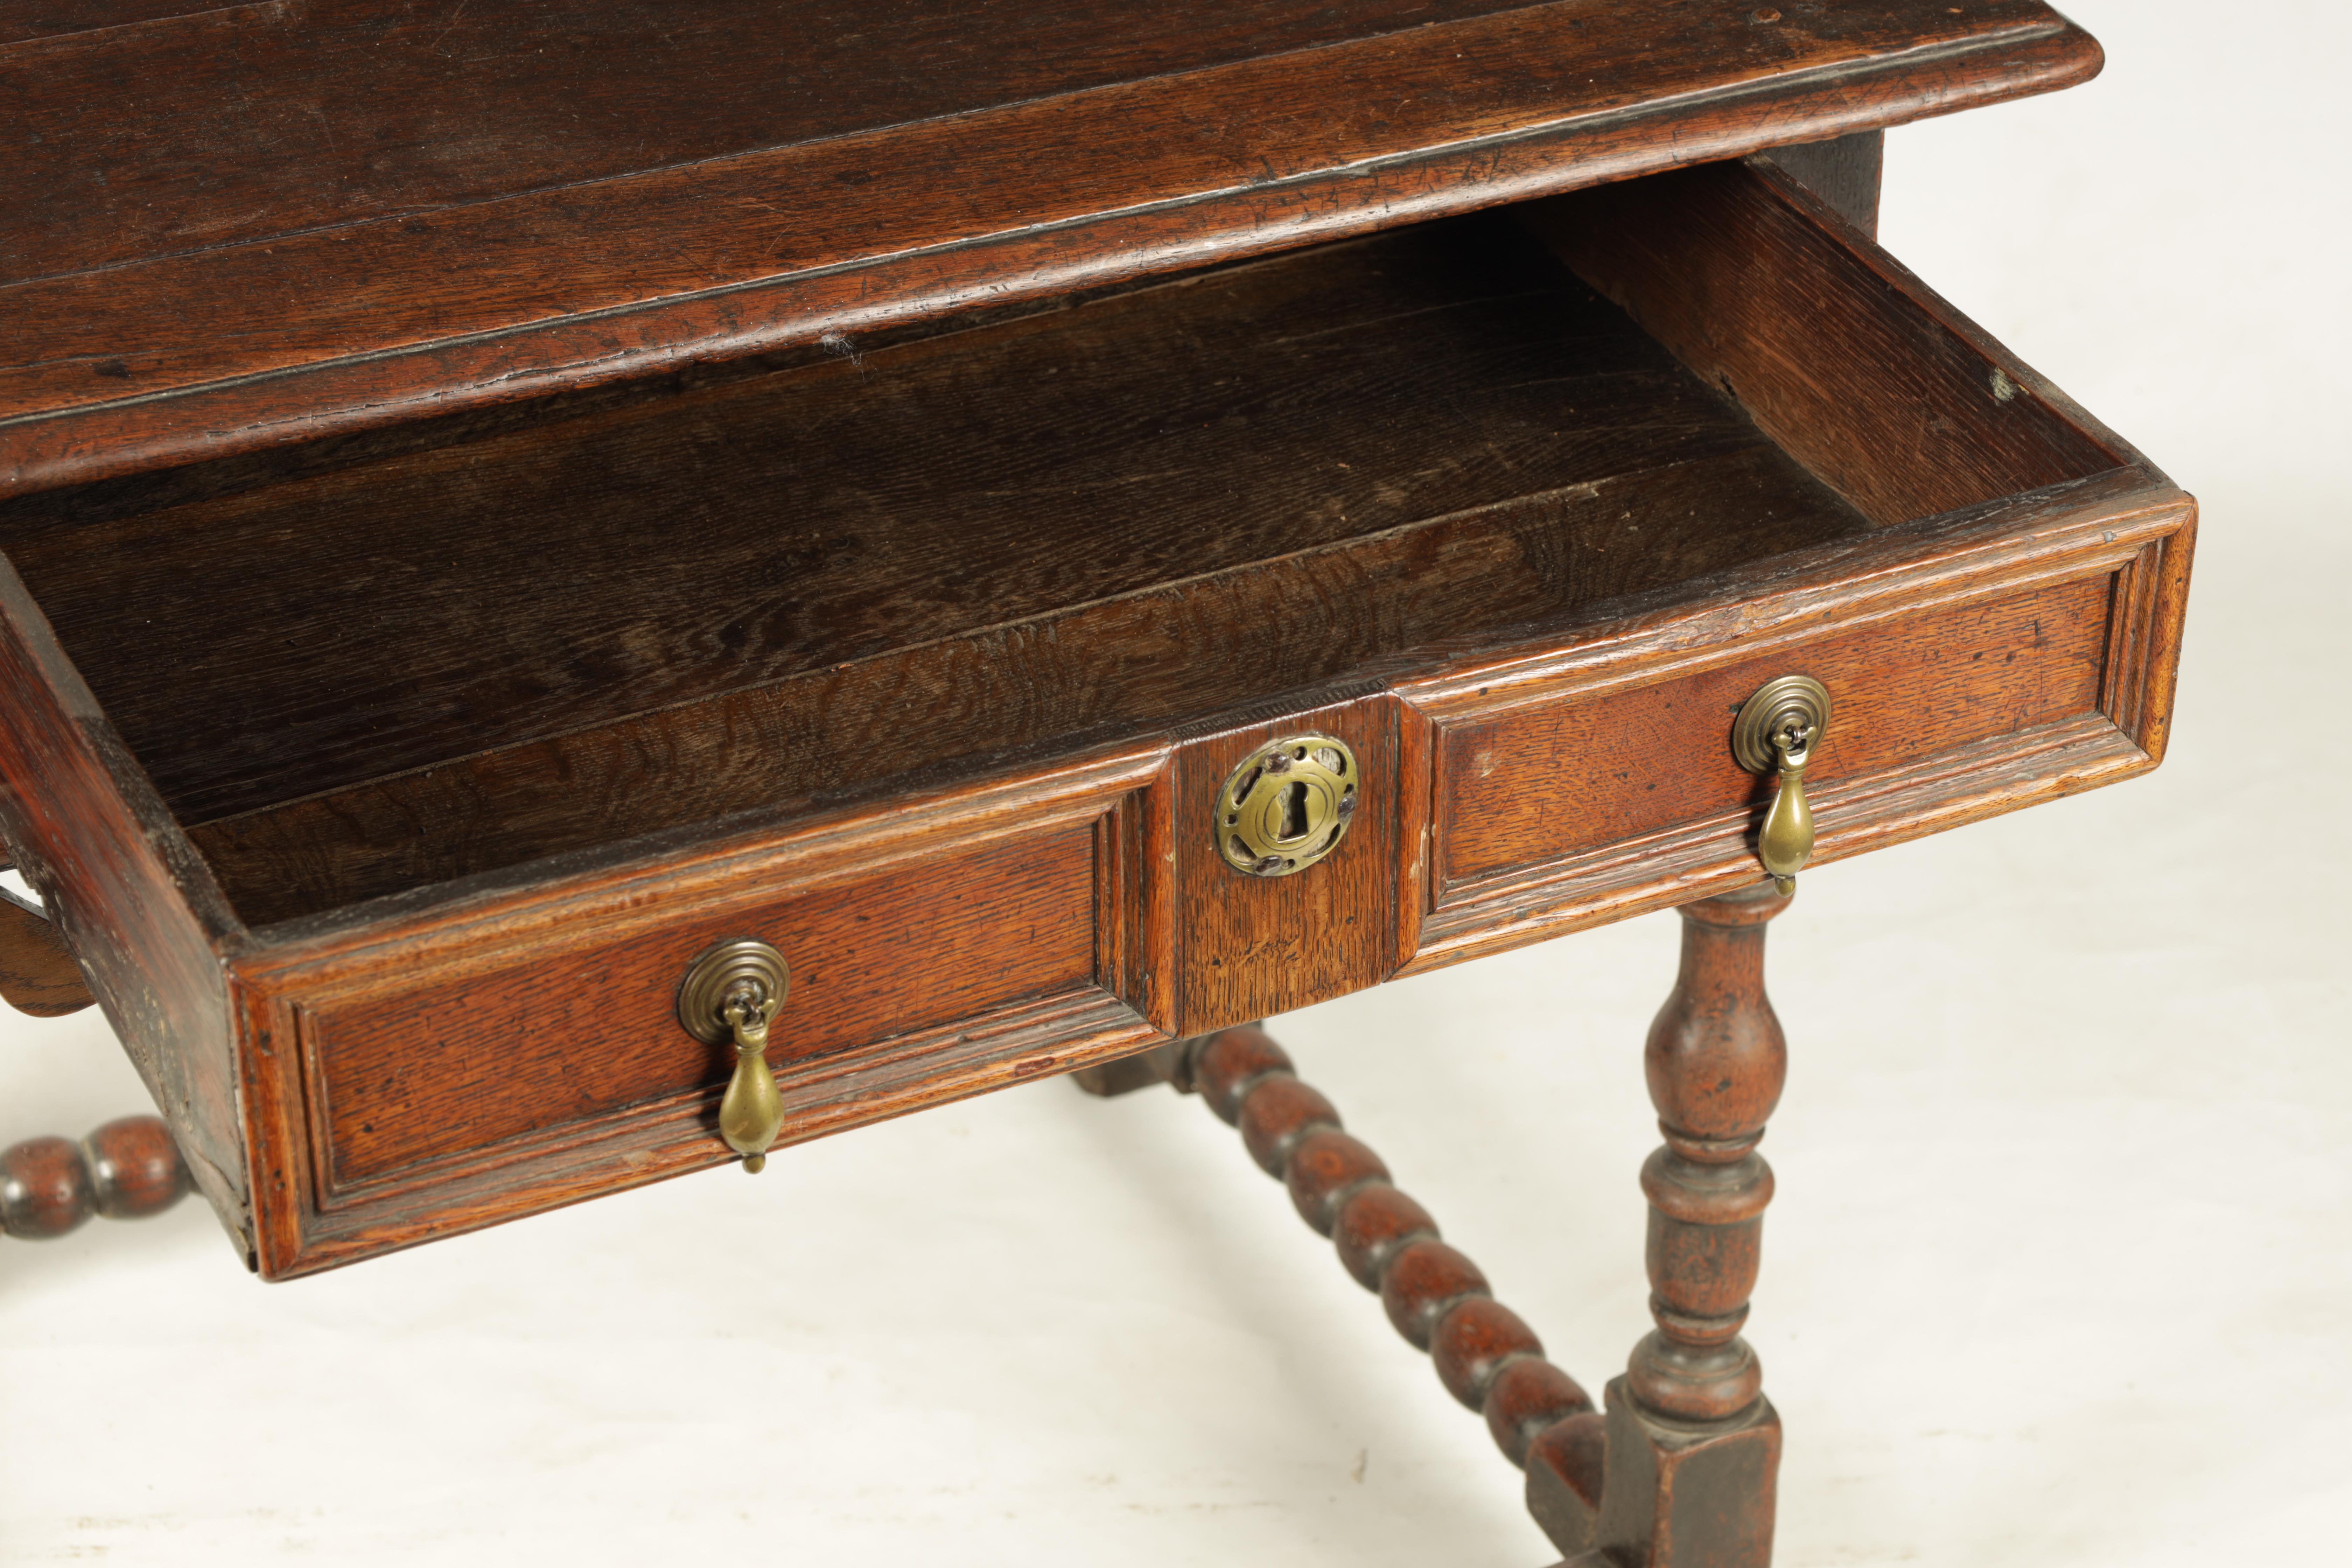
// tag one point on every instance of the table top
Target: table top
(234, 228)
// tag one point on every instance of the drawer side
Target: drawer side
(1889, 395)
(129, 893)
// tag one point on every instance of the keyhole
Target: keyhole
(1293, 813)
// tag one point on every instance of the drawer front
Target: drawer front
(1587, 772)
(1984, 664)
(530, 1056)
(555, 1042)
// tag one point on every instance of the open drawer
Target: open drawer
(386, 789)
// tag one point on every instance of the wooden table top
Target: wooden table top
(233, 227)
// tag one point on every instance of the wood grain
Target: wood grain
(354, 297)
(37, 971)
(1564, 779)
(29, 22)
(970, 754)
(514, 1050)
(1007, 697)
(455, 1065)
(666, 1139)
(1873, 382)
(128, 893)
(1249, 947)
(1772, 612)
(469, 103)
(308, 636)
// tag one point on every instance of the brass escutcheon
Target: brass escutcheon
(1777, 730)
(1287, 805)
(732, 992)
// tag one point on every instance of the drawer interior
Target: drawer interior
(894, 565)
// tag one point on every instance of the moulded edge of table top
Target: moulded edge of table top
(285, 338)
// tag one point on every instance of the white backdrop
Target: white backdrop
(2058, 1271)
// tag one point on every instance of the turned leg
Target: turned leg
(1680, 1471)
(1694, 1447)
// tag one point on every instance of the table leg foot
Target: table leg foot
(1688, 1495)
(1694, 1447)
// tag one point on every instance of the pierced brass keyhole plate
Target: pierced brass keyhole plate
(1287, 805)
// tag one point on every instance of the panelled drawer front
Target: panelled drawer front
(1976, 664)
(443, 1078)
(1585, 773)
(469, 1065)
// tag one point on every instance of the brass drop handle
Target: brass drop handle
(1776, 732)
(1787, 841)
(753, 1111)
(731, 993)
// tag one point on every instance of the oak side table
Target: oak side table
(593, 591)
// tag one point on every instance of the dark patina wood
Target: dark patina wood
(998, 609)
(128, 1169)
(1547, 780)
(37, 971)
(1390, 436)
(128, 893)
(497, 499)
(197, 270)
(1831, 349)
(1694, 1445)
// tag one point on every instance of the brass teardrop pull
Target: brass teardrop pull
(1776, 732)
(1787, 841)
(732, 992)
(753, 1111)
